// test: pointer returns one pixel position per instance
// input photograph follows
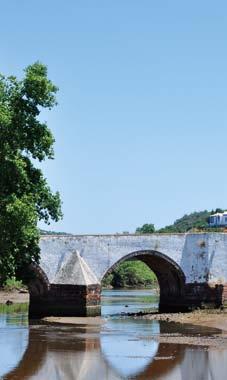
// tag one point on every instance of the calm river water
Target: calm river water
(122, 348)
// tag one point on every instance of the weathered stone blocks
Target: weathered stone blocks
(66, 300)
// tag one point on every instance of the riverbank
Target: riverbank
(15, 296)
(210, 328)
(213, 319)
(88, 321)
(210, 318)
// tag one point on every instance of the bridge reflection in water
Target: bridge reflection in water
(84, 353)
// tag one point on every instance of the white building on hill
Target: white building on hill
(218, 219)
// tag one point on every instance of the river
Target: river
(119, 348)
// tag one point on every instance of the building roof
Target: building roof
(219, 213)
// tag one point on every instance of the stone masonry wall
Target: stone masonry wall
(202, 257)
(66, 300)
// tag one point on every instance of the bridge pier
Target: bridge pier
(66, 300)
(202, 296)
(206, 296)
(75, 292)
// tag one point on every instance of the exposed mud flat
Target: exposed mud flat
(88, 321)
(218, 342)
(210, 318)
(14, 297)
(210, 327)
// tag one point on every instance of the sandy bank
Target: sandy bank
(88, 321)
(210, 318)
(14, 296)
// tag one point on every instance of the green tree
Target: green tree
(25, 196)
(133, 273)
(146, 229)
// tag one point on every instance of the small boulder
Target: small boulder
(8, 302)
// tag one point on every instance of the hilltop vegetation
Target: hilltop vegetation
(197, 221)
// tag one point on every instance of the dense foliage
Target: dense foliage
(130, 273)
(25, 196)
(198, 220)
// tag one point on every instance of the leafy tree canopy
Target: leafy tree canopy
(25, 196)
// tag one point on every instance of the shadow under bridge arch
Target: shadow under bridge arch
(170, 277)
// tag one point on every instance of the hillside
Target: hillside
(195, 221)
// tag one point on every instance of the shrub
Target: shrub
(12, 284)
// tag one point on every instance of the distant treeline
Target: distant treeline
(44, 232)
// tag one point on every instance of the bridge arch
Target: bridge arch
(37, 281)
(170, 276)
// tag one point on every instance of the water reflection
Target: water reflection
(116, 302)
(126, 347)
(122, 348)
(65, 353)
(13, 340)
(83, 353)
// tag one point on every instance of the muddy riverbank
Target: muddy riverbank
(214, 319)
(15, 296)
(210, 318)
(211, 328)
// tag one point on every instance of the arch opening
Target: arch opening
(169, 275)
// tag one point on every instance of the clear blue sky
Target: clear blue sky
(141, 125)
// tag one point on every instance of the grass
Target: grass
(15, 308)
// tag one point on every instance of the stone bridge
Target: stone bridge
(191, 270)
